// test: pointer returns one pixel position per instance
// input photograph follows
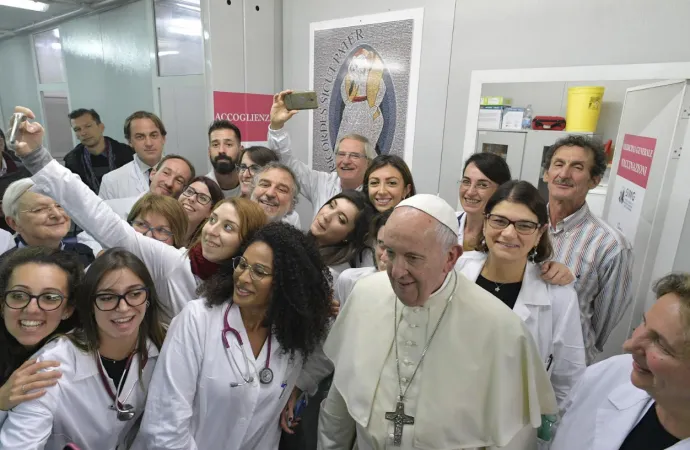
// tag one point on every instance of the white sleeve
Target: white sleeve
(336, 427)
(3, 416)
(310, 181)
(95, 216)
(169, 405)
(29, 424)
(106, 190)
(568, 343)
(315, 369)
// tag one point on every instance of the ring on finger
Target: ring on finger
(23, 389)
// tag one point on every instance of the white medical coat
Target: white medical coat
(191, 404)
(170, 267)
(603, 408)
(552, 315)
(77, 409)
(346, 282)
(126, 181)
(122, 207)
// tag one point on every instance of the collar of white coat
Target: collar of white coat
(85, 366)
(472, 263)
(141, 165)
(626, 396)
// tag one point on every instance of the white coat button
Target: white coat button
(413, 325)
(409, 343)
(403, 379)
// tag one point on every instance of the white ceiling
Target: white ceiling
(14, 18)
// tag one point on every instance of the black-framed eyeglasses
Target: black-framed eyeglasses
(201, 198)
(48, 301)
(525, 227)
(252, 169)
(158, 233)
(256, 271)
(110, 301)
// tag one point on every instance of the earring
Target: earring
(533, 254)
(148, 303)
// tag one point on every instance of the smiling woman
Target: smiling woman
(37, 286)
(107, 363)
(231, 360)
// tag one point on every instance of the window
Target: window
(179, 37)
(51, 67)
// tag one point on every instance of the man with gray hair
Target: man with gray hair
(425, 358)
(275, 189)
(353, 153)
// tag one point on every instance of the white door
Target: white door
(652, 128)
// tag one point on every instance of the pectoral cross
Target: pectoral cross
(399, 419)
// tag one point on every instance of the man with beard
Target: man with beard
(600, 257)
(224, 147)
(96, 154)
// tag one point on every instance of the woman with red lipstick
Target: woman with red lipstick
(230, 360)
(37, 286)
(106, 364)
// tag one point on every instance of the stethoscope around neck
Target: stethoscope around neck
(265, 374)
(125, 411)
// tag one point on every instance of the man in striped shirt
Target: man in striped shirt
(599, 255)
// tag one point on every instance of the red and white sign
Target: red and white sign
(637, 153)
(630, 184)
(250, 112)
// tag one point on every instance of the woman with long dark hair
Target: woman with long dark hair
(387, 182)
(198, 199)
(38, 300)
(341, 231)
(514, 241)
(106, 364)
(231, 360)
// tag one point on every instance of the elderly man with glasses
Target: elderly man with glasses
(38, 220)
(353, 153)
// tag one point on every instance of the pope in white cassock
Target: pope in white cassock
(425, 358)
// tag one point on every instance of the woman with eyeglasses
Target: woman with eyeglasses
(177, 273)
(230, 360)
(106, 364)
(37, 286)
(482, 175)
(252, 161)
(514, 241)
(39, 221)
(198, 200)
(161, 218)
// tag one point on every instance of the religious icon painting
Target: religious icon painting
(365, 72)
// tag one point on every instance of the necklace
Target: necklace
(398, 417)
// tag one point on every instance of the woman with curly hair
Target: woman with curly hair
(231, 360)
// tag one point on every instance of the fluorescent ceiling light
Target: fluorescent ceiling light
(25, 4)
(168, 53)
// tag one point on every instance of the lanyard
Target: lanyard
(86, 156)
(265, 374)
